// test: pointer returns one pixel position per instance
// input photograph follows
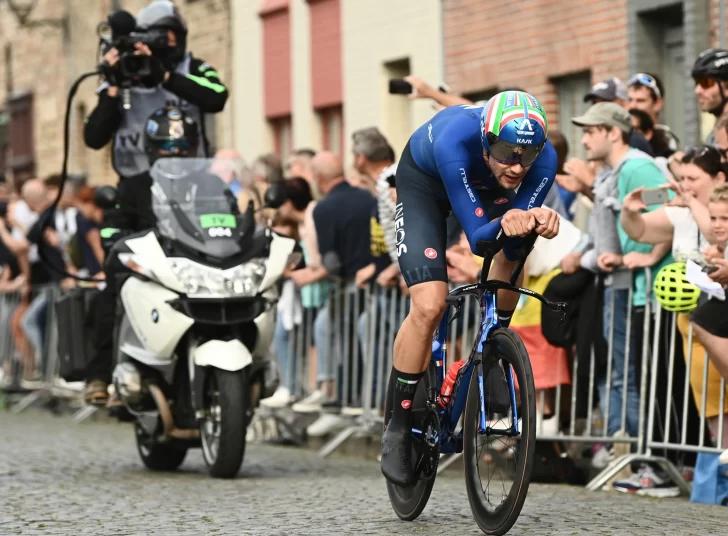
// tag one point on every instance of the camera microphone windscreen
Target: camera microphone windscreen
(121, 23)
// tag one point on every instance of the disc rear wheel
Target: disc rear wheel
(409, 502)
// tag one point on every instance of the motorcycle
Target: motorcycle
(197, 318)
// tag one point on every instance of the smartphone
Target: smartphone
(399, 87)
(709, 268)
(654, 196)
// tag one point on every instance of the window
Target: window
(332, 127)
(282, 136)
(571, 91)
(22, 146)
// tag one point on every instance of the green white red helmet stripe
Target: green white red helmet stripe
(510, 105)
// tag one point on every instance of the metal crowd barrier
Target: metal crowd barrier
(363, 359)
(29, 344)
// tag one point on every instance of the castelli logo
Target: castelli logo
(406, 404)
(430, 253)
(501, 201)
(479, 212)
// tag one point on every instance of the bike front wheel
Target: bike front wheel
(496, 495)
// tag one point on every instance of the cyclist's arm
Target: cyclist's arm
(465, 202)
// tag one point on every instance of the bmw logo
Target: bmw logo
(155, 316)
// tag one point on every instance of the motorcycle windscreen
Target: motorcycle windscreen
(194, 203)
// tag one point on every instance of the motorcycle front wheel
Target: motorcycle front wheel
(223, 429)
(157, 456)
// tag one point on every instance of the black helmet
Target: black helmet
(163, 14)
(711, 63)
(170, 132)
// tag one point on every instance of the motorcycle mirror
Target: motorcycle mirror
(105, 197)
(275, 195)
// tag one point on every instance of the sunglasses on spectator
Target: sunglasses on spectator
(645, 80)
(705, 83)
(698, 151)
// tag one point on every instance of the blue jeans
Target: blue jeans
(614, 419)
(34, 325)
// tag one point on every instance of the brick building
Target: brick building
(42, 58)
(557, 49)
(309, 72)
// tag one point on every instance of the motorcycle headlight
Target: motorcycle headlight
(204, 281)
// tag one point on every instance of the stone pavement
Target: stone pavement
(58, 478)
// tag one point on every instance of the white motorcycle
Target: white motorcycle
(198, 319)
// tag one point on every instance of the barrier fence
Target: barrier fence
(651, 401)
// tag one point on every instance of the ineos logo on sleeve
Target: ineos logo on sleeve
(399, 229)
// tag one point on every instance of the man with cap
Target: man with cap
(607, 128)
(610, 90)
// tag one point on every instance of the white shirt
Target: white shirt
(687, 240)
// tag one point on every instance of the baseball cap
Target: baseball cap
(609, 114)
(609, 90)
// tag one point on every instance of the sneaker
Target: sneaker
(396, 460)
(602, 458)
(723, 457)
(646, 482)
(310, 404)
(280, 399)
(547, 427)
(326, 424)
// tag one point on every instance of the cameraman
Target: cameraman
(176, 78)
(173, 134)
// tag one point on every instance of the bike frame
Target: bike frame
(487, 293)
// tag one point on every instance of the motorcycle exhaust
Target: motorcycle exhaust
(170, 430)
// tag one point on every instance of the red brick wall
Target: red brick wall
(326, 53)
(491, 43)
(277, 58)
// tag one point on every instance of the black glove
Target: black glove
(111, 74)
(157, 73)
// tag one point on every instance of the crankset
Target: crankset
(429, 458)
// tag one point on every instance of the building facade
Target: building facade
(558, 49)
(43, 57)
(310, 72)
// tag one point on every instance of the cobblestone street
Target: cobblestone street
(59, 478)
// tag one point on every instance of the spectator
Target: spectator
(341, 220)
(299, 164)
(647, 94)
(710, 73)
(643, 123)
(268, 169)
(298, 208)
(710, 318)
(88, 222)
(607, 128)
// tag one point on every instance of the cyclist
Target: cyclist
(492, 166)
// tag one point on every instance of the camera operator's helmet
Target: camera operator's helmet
(163, 14)
(513, 127)
(170, 132)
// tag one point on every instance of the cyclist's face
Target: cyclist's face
(509, 176)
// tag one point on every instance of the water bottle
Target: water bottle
(447, 385)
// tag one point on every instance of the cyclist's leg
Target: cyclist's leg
(421, 241)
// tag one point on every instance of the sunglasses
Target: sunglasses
(698, 151)
(509, 153)
(705, 83)
(646, 80)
